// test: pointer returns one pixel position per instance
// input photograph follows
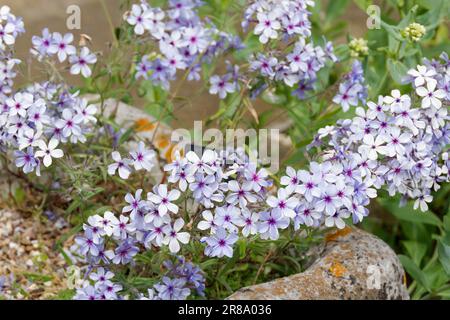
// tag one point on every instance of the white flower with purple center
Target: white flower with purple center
(283, 203)
(309, 186)
(61, 46)
(122, 166)
(422, 75)
(48, 152)
(163, 199)
(337, 219)
(140, 17)
(267, 26)
(203, 164)
(240, 194)
(69, 124)
(174, 236)
(26, 160)
(80, 63)
(431, 96)
(306, 215)
(208, 222)
(19, 104)
(270, 222)
(227, 217)
(291, 181)
(372, 146)
(135, 202)
(255, 179)
(248, 221)
(143, 158)
(221, 86)
(221, 244)
(329, 201)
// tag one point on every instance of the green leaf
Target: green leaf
(444, 256)
(19, 195)
(66, 294)
(445, 293)
(397, 70)
(336, 8)
(414, 271)
(407, 213)
(416, 250)
(363, 4)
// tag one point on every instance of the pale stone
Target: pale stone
(352, 264)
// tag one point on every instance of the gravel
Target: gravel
(31, 266)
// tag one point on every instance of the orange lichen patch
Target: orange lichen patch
(162, 142)
(168, 154)
(340, 233)
(144, 125)
(337, 269)
(171, 152)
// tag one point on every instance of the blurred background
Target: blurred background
(96, 16)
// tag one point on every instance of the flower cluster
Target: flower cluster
(353, 89)
(140, 159)
(36, 119)
(275, 19)
(289, 21)
(176, 283)
(143, 224)
(56, 44)
(358, 47)
(397, 144)
(10, 27)
(414, 32)
(185, 41)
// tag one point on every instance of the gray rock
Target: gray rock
(352, 264)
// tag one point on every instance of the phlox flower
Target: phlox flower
(61, 46)
(173, 235)
(172, 289)
(80, 63)
(431, 97)
(69, 124)
(48, 152)
(142, 158)
(240, 194)
(291, 181)
(208, 222)
(337, 219)
(422, 75)
(120, 165)
(163, 199)
(270, 222)
(372, 146)
(26, 160)
(125, 252)
(220, 244)
(140, 17)
(248, 221)
(267, 26)
(135, 203)
(329, 201)
(221, 86)
(255, 179)
(19, 104)
(283, 203)
(226, 217)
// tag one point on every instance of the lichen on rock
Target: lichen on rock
(352, 264)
